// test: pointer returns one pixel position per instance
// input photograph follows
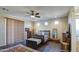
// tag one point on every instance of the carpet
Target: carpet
(18, 48)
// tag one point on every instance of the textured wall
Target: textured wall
(2, 31)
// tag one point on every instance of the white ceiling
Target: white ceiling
(46, 12)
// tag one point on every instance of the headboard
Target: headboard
(46, 34)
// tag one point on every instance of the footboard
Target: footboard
(39, 37)
(31, 44)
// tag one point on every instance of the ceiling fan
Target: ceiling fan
(33, 14)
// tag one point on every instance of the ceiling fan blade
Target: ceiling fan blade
(37, 14)
(33, 13)
(27, 13)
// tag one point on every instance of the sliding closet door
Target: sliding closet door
(10, 31)
(19, 31)
(15, 31)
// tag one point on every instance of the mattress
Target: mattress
(36, 40)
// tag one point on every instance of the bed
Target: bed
(18, 48)
(39, 39)
(35, 42)
(45, 33)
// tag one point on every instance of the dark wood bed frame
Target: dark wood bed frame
(33, 44)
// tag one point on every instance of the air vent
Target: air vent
(4, 9)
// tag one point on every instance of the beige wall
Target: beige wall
(61, 27)
(2, 31)
(27, 24)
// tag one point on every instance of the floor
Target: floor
(48, 47)
(51, 47)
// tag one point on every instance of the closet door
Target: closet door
(10, 31)
(19, 31)
(15, 31)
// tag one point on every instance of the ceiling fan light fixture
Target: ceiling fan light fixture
(32, 16)
(38, 24)
(56, 22)
(46, 23)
